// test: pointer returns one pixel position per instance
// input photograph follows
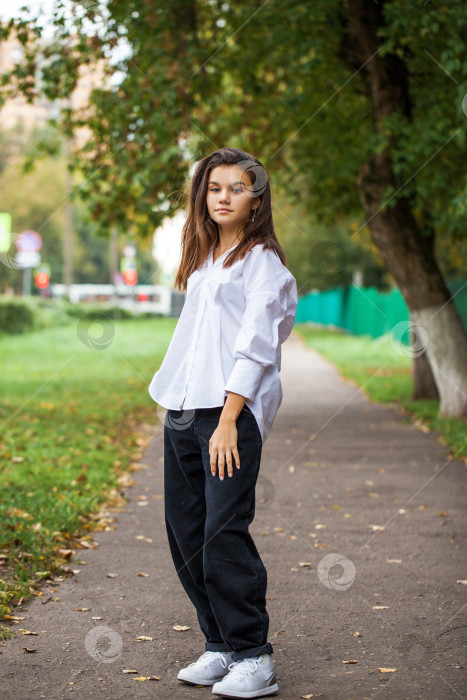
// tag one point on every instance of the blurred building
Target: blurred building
(17, 112)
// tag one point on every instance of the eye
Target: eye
(237, 190)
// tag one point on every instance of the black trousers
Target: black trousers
(207, 524)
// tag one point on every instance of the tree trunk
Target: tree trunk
(424, 385)
(408, 254)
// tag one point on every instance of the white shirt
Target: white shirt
(229, 336)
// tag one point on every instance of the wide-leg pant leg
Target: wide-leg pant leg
(185, 516)
(234, 574)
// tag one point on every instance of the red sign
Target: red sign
(42, 280)
(130, 277)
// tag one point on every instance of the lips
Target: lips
(223, 209)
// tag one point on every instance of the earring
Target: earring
(254, 214)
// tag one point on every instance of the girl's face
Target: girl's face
(229, 200)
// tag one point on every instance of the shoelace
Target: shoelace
(244, 667)
(207, 658)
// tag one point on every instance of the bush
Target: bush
(20, 315)
(99, 312)
(16, 316)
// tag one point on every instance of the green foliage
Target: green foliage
(99, 312)
(271, 79)
(16, 316)
(21, 315)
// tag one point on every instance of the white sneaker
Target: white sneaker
(248, 678)
(211, 666)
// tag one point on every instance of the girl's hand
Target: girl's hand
(222, 446)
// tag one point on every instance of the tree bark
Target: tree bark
(424, 385)
(408, 254)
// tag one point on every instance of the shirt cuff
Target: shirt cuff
(245, 378)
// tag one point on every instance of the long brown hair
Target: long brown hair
(200, 233)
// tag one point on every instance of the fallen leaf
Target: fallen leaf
(387, 670)
(319, 526)
(459, 580)
(278, 529)
(140, 573)
(141, 678)
(380, 607)
(13, 511)
(144, 639)
(443, 514)
(350, 661)
(31, 651)
(141, 537)
(111, 575)
(357, 634)
(15, 618)
(305, 563)
(66, 553)
(181, 628)
(310, 695)
(394, 561)
(28, 632)
(96, 617)
(81, 609)
(376, 527)
(291, 469)
(129, 670)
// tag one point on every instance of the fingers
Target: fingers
(222, 458)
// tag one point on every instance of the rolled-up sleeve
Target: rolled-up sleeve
(269, 316)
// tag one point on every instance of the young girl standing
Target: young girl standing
(220, 384)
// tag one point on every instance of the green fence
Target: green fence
(365, 310)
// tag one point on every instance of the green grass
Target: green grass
(69, 417)
(386, 376)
